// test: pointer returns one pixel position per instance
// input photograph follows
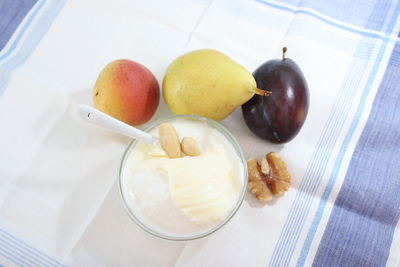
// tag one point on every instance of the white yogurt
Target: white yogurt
(186, 195)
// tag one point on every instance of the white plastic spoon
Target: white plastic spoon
(97, 117)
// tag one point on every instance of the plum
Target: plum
(279, 116)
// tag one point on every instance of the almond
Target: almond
(169, 140)
(189, 146)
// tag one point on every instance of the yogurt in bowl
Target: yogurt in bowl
(188, 197)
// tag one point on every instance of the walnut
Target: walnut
(265, 169)
(270, 178)
(257, 183)
(279, 177)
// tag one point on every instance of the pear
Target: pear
(207, 83)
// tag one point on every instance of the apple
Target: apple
(127, 91)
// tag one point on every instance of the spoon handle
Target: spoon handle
(97, 117)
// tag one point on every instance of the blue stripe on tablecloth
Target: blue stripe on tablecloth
(12, 13)
(351, 12)
(5, 256)
(328, 189)
(361, 226)
(312, 13)
(12, 248)
(31, 40)
(289, 236)
(21, 251)
(317, 166)
(355, 12)
(23, 30)
(337, 164)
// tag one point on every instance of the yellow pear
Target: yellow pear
(207, 83)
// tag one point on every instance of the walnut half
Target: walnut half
(257, 183)
(271, 178)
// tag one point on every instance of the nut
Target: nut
(279, 178)
(189, 146)
(169, 140)
(257, 183)
(270, 178)
(265, 169)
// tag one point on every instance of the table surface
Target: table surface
(59, 198)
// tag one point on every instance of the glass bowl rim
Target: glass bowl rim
(232, 140)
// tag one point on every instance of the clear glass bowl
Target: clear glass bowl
(213, 229)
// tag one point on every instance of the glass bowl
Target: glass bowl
(176, 237)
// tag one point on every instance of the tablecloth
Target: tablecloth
(59, 199)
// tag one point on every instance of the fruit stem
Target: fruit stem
(262, 92)
(284, 49)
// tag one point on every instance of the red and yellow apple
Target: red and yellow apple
(127, 91)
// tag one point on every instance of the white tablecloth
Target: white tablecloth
(59, 199)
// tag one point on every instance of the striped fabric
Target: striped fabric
(361, 226)
(12, 13)
(301, 206)
(346, 207)
(17, 252)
